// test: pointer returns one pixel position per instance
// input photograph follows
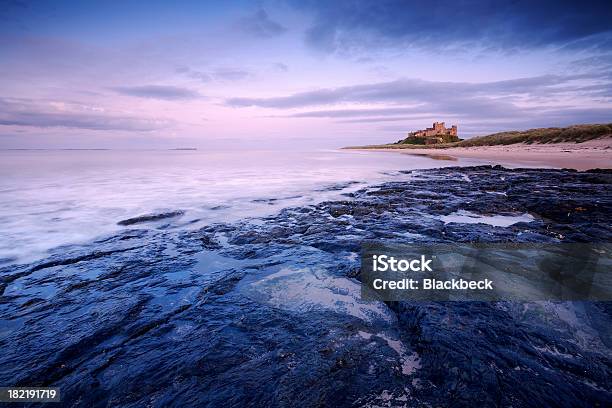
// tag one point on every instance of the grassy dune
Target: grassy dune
(572, 134)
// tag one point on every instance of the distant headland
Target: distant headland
(440, 137)
(579, 146)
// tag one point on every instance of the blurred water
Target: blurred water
(52, 198)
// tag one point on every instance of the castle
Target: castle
(438, 133)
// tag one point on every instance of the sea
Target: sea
(50, 199)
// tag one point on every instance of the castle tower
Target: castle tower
(438, 126)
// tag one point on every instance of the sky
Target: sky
(284, 74)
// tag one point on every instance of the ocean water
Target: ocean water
(51, 198)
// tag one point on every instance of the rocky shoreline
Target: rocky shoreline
(268, 312)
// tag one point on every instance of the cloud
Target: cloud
(346, 24)
(321, 97)
(194, 74)
(280, 67)
(453, 106)
(230, 74)
(165, 92)
(30, 113)
(260, 25)
(534, 99)
(378, 119)
(595, 62)
(477, 95)
(342, 113)
(219, 74)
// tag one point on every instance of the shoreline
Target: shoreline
(287, 287)
(578, 156)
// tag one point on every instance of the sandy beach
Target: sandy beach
(580, 156)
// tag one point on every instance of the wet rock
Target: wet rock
(338, 210)
(151, 217)
(208, 242)
(220, 207)
(338, 186)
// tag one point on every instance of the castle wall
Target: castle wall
(438, 128)
(438, 133)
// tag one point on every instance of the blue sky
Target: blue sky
(295, 73)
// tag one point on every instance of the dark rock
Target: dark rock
(338, 186)
(209, 242)
(151, 217)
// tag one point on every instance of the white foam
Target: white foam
(553, 350)
(310, 289)
(396, 398)
(410, 362)
(467, 217)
